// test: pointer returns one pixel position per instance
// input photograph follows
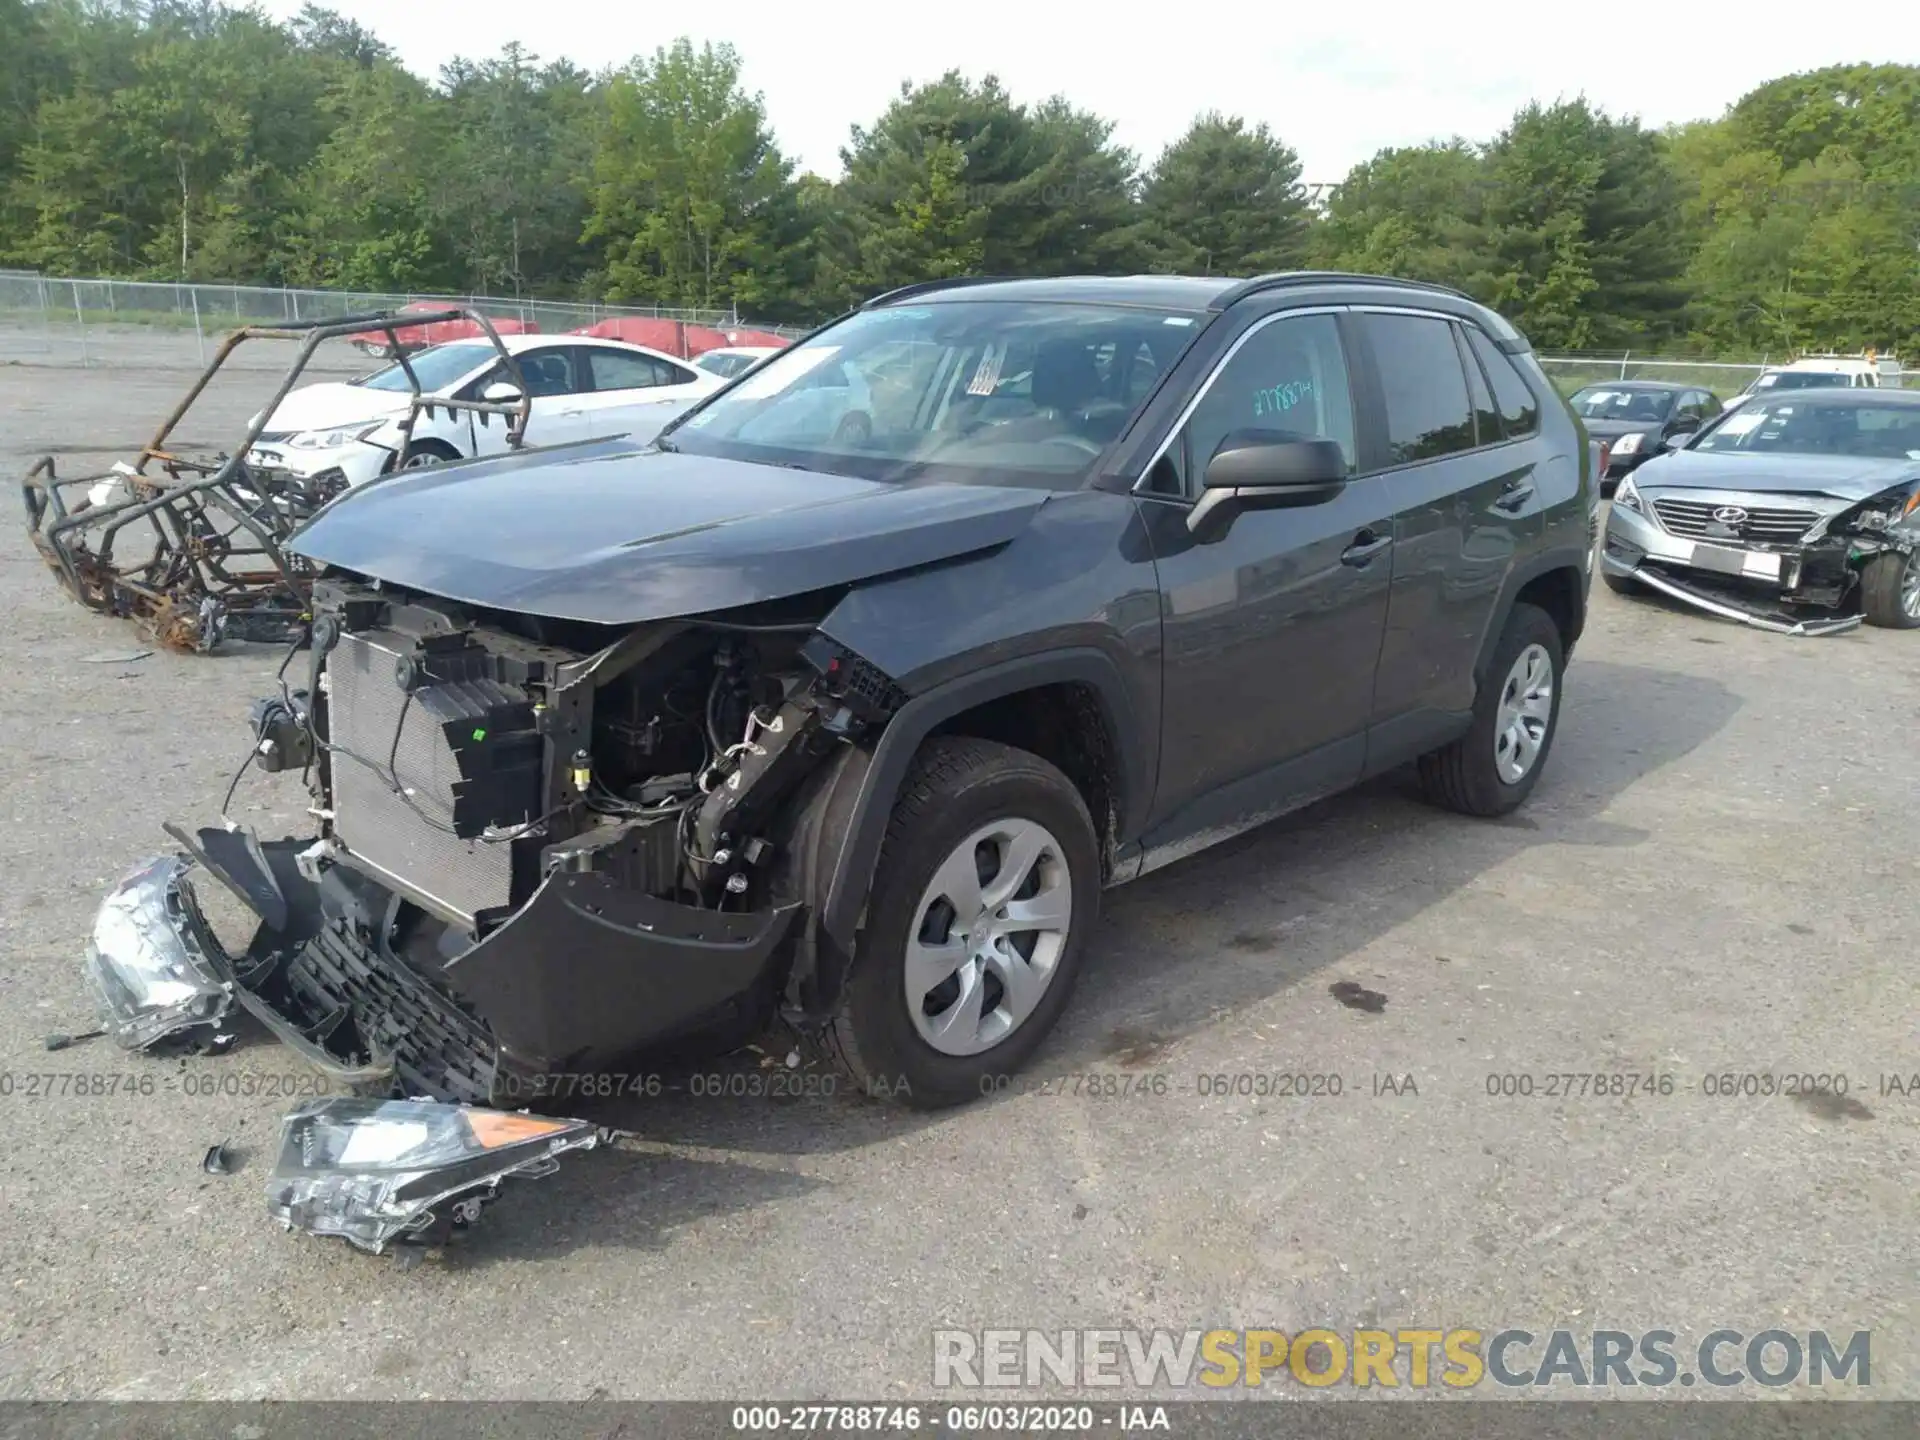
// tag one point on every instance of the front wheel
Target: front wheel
(1890, 591)
(987, 886)
(1493, 767)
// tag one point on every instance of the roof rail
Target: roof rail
(1235, 294)
(925, 287)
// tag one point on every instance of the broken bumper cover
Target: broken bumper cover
(146, 962)
(380, 1172)
(584, 977)
(1634, 548)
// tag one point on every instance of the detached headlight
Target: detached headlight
(1627, 497)
(1629, 444)
(335, 438)
(375, 1171)
(147, 968)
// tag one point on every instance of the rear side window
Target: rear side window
(619, 370)
(1519, 410)
(1423, 384)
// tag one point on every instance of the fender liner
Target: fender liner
(852, 872)
(1564, 557)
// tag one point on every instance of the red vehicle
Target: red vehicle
(439, 332)
(676, 337)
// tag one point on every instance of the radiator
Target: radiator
(379, 827)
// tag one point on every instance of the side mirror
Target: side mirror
(1265, 470)
(1683, 425)
(501, 392)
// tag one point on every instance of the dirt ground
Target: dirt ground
(1719, 875)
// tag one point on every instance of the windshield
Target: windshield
(1597, 402)
(1832, 427)
(1802, 380)
(436, 368)
(980, 390)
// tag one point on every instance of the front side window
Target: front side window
(990, 391)
(1423, 385)
(1288, 378)
(552, 372)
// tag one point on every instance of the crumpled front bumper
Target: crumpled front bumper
(585, 977)
(1635, 548)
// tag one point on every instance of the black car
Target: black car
(1635, 418)
(852, 713)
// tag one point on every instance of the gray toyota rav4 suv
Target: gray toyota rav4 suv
(846, 697)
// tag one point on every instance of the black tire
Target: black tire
(1623, 584)
(1882, 591)
(1463, 776)
(956, 786)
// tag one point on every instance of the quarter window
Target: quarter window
(1519, 410)
(1423, 384)
(1486, 420)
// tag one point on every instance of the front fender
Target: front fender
(850, 874)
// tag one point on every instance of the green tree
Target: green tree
(1226, 200)
(1411, 212)
(692, 203)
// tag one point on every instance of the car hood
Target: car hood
(615, 533)
(1840, 476)
(334, 402)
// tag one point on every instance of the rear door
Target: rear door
(633, 393)
(1464, 500)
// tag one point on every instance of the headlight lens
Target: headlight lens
(1628, 444)
(1628, 498)
(374, 1171)
(333, 439)
(146, 967)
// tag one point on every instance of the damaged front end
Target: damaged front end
(545, 848)
(194, 548)
(1789, 564)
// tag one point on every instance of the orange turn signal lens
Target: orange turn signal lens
(494, 1128)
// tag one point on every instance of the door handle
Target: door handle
(1517, 493)
(1365, 546)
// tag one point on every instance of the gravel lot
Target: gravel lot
(1718, 873)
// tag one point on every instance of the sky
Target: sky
(1337, 83)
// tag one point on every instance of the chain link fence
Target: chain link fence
(1724, 378)
(48, 320)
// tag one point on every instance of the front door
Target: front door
(557, 379)
(1272, 631)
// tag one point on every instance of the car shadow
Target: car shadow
(1175, 953)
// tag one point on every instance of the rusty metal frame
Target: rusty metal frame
(219, 526)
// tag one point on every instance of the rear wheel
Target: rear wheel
(1493, 767)
(1890, 591)
(988, 883)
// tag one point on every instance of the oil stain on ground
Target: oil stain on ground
(1131, 1049)
(1357, 997)
(1830, 1106)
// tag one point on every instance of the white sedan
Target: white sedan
(583, 389)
